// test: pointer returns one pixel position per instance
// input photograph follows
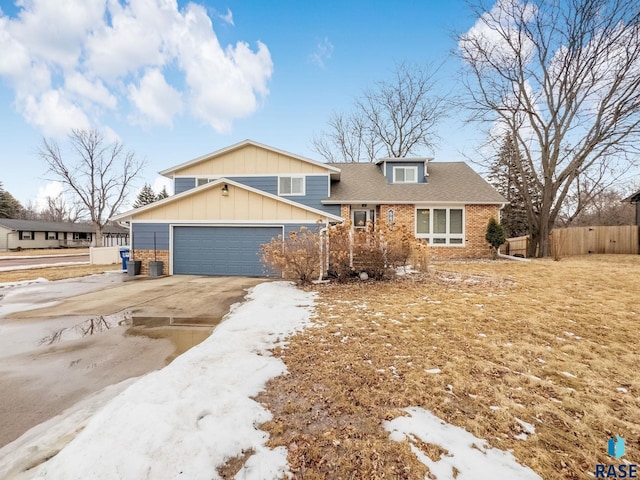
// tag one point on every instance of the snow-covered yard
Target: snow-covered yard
(198, 416)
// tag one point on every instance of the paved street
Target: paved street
(6, 262)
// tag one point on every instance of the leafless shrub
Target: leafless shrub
(296, 257)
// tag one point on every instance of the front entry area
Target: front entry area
(228, 251)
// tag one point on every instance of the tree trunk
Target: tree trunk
(99, 240)
(544, 246)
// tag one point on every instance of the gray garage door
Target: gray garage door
(233, 251)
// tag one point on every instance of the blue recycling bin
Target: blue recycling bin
(124, 255)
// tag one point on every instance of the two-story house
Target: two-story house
(228, 203)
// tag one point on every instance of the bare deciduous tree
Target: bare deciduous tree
(99, 174)
(588, 207)
(395, 119)
(58, 209)
(563, 78)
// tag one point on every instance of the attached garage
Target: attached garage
(216, 229)
(217, 250)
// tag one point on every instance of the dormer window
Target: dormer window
(291, 185)
(405, 174)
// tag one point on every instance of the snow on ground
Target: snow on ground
(192, 416)
(469, 455)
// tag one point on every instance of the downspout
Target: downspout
(323, 240)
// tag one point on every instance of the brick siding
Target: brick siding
(147, 256)
(476, 219)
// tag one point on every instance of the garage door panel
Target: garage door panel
(229, 251)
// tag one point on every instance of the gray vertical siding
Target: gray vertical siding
(390, 165)
(183, 184)
(143, 236)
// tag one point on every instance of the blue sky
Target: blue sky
(174, 82)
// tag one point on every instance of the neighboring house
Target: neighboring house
(635, 198)
(228, 203)
(29, 234)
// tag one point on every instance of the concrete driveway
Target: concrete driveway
(79, 369)
(180, 296)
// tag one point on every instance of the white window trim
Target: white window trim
(207, 178)
(415, 170)
(369, 219)
(304, 186)
(447, 236)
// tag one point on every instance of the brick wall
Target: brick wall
(402, 215)
(147, 256)
(476, 219)
(345, 212)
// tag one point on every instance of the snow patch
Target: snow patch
(527, 427)
(196, 413)
(433, 370)
(467, 454)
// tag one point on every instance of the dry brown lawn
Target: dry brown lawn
(55, 273)
(554, 344)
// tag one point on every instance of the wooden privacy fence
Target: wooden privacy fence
(583, 240)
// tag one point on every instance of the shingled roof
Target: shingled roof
(44, 226)
(448, 182)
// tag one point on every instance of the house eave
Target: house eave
(411, 202)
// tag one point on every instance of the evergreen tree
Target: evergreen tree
(163, 193)
(9, 206)
(145, 197)
(507, 178)
(495, 236)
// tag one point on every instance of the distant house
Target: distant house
(229, 202)
(29, 234)
(635, 198)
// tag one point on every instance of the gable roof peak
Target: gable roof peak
(247, 142)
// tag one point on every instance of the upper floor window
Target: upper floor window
(202, 181)
(405, 174)
(290, 185)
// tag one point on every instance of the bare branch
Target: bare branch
(99, 174)
(396, 118)
(564, 78)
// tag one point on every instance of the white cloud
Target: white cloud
(494, 35)
(157, 101)
(68, 62)
(222, 84)
(54, 32)
(95, 91)
(51, 189)
(323, 52)
(227, 17)
(51, 105)
(161, 182)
